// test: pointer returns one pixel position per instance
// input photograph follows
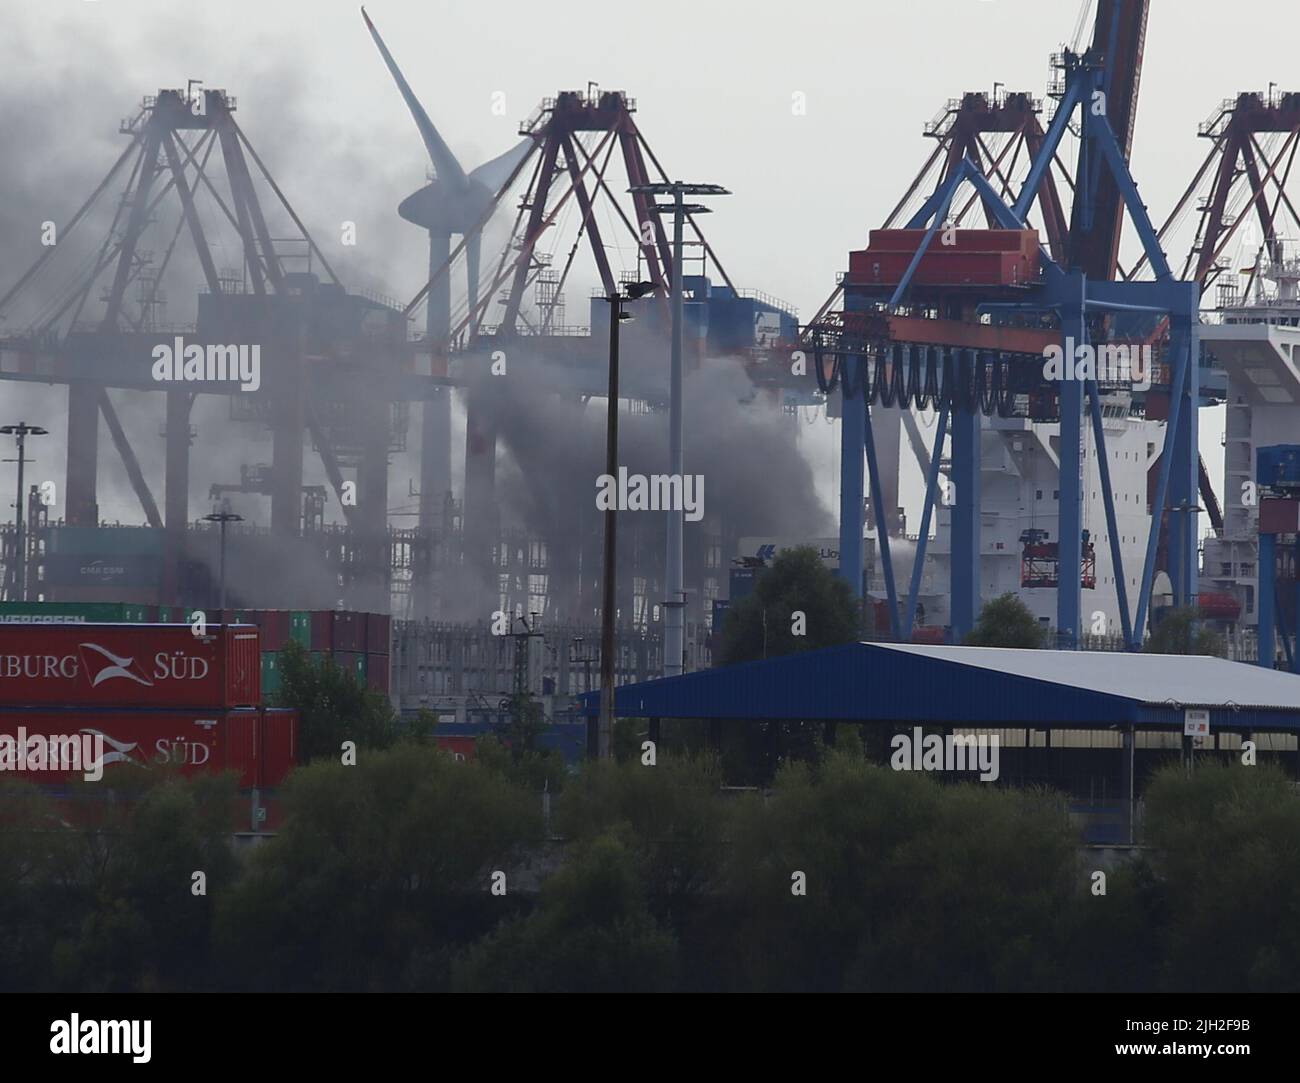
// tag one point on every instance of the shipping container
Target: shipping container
(377, 673)
(349, 631)
(129, 665)
(378, 627)
(62, 612)
(270, 674)
(352, 663)
(462, 748)
(322, 630)
(300, 628)
(274, 626)
(260, 745)
(197, 742)
(74, 570)
(279, 745)
(100, 541)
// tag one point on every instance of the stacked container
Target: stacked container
(154, 694)
(358, 642)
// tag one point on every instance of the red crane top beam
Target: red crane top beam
(1119, 39)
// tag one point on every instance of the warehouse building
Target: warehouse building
(1091, 724)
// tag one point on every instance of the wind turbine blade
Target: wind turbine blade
(444, 162)
(494, 174)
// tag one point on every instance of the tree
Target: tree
(1223, 846)
(798, 604)
(32, 839)
(1007, 622)
(332, 706)
(592, 933)
(1180, 631)
(855, 876)
(381, 872)
(669, 814)
(135, 915)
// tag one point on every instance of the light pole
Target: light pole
(223, 517)
(599, 737)
(21, 431)
(675, 603)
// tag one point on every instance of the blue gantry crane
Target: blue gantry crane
(965, 320)
(1277, 474)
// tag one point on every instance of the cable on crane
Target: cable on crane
(920, 376)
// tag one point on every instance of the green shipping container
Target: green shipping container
(300, 628)
(271, 682)
(122, 541)
(65, 612)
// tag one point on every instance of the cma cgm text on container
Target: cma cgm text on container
(129, 665)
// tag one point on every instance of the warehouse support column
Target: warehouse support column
(1295, 623)
(965, 560)
(853, 430)
(1265, 602)
(1070, 507)
(1128, 773)
(1184, 478)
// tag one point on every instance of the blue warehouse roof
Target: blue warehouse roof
(974, 686)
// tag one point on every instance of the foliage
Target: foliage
(845, 876)
(1007, 622)
(332, 706)
(378, 870)
(761, 625)
(669, 816)
(1226, 851)
(592, 933)
(911, 885)
(534, 770)
(1180, 631)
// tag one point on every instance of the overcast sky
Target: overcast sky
(713, 82)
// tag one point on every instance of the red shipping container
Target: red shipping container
(940, 268)
(349, 631)
(195, 741)
(462, 748)
(274, 626)
(1279, 515)
(961, 240)
(279, 745)
(129, 665)
(377, 631)
(377, 673)
(347, 661)
(322, 630)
